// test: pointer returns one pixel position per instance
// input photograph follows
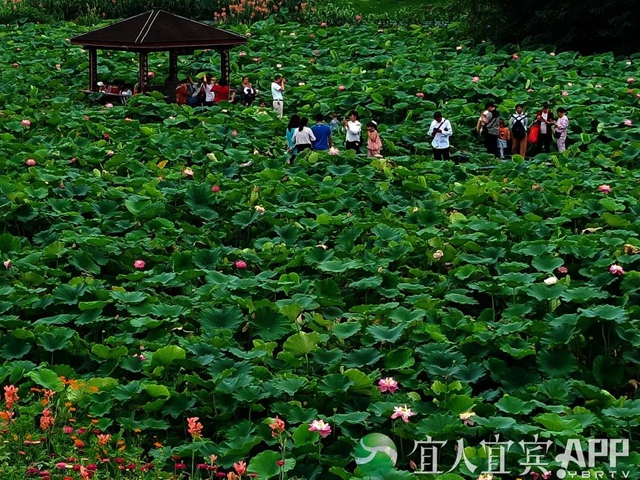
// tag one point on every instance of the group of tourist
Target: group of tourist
(320, 137)
(497, 133)
(516, 133)
(540, 132)
(207, 92)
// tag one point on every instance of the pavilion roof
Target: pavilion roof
(157, 30)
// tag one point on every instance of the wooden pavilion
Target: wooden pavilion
(158, 31)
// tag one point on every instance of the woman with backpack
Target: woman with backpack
(488, 126)
(519, 124)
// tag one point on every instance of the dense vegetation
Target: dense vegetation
(291, 290)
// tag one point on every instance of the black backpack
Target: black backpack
(518, 131)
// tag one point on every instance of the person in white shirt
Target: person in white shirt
(303, 137)
(354, 131)
(277, 88)
(440, 131)
(208, 91)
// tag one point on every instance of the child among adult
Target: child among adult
(440, 131)
(504, 135)
(562, 126)
(374, 144)
(353, 128)
(303, 137)
(294, 123)
(334, 123)
(519, 124)
(322, 132)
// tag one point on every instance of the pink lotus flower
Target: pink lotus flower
(234, 133)
(109, 105)
(7, 264)
(240, 468)
(188, 172)
(241, 264)
(31, 162)
(420, 95)
(127, 119)
(529, 90)
(515, 56)
(616, 270)
(402, 412)
(629, 90)
(139, 264)
(15, 64)
(324, 429)
(563, 270)
(358, 17)
(151, 74)
(140, 357)
(638, 95)
(323, 24)
(26, 123)
(628, 123)
(475, 79)
(565, 94)
(388, 384)
(215, 189)
(606, 189)
(106, 136)
(334, 151)
(341, 88)
(630, 80)
(466, 418)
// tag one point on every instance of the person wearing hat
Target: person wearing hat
(545, 119)
(440, 131)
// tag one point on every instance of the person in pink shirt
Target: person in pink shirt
(374, 144)
(562, 126)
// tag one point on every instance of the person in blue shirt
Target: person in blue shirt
(322, 132)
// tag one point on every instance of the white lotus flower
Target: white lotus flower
(550, 281)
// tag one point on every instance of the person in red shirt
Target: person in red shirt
(221, 92)
(181, 93)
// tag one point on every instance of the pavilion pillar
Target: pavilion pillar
(142, 74)
(93, 69)
(225, 66)
(171, 83)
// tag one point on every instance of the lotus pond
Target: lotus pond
(142, 296)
